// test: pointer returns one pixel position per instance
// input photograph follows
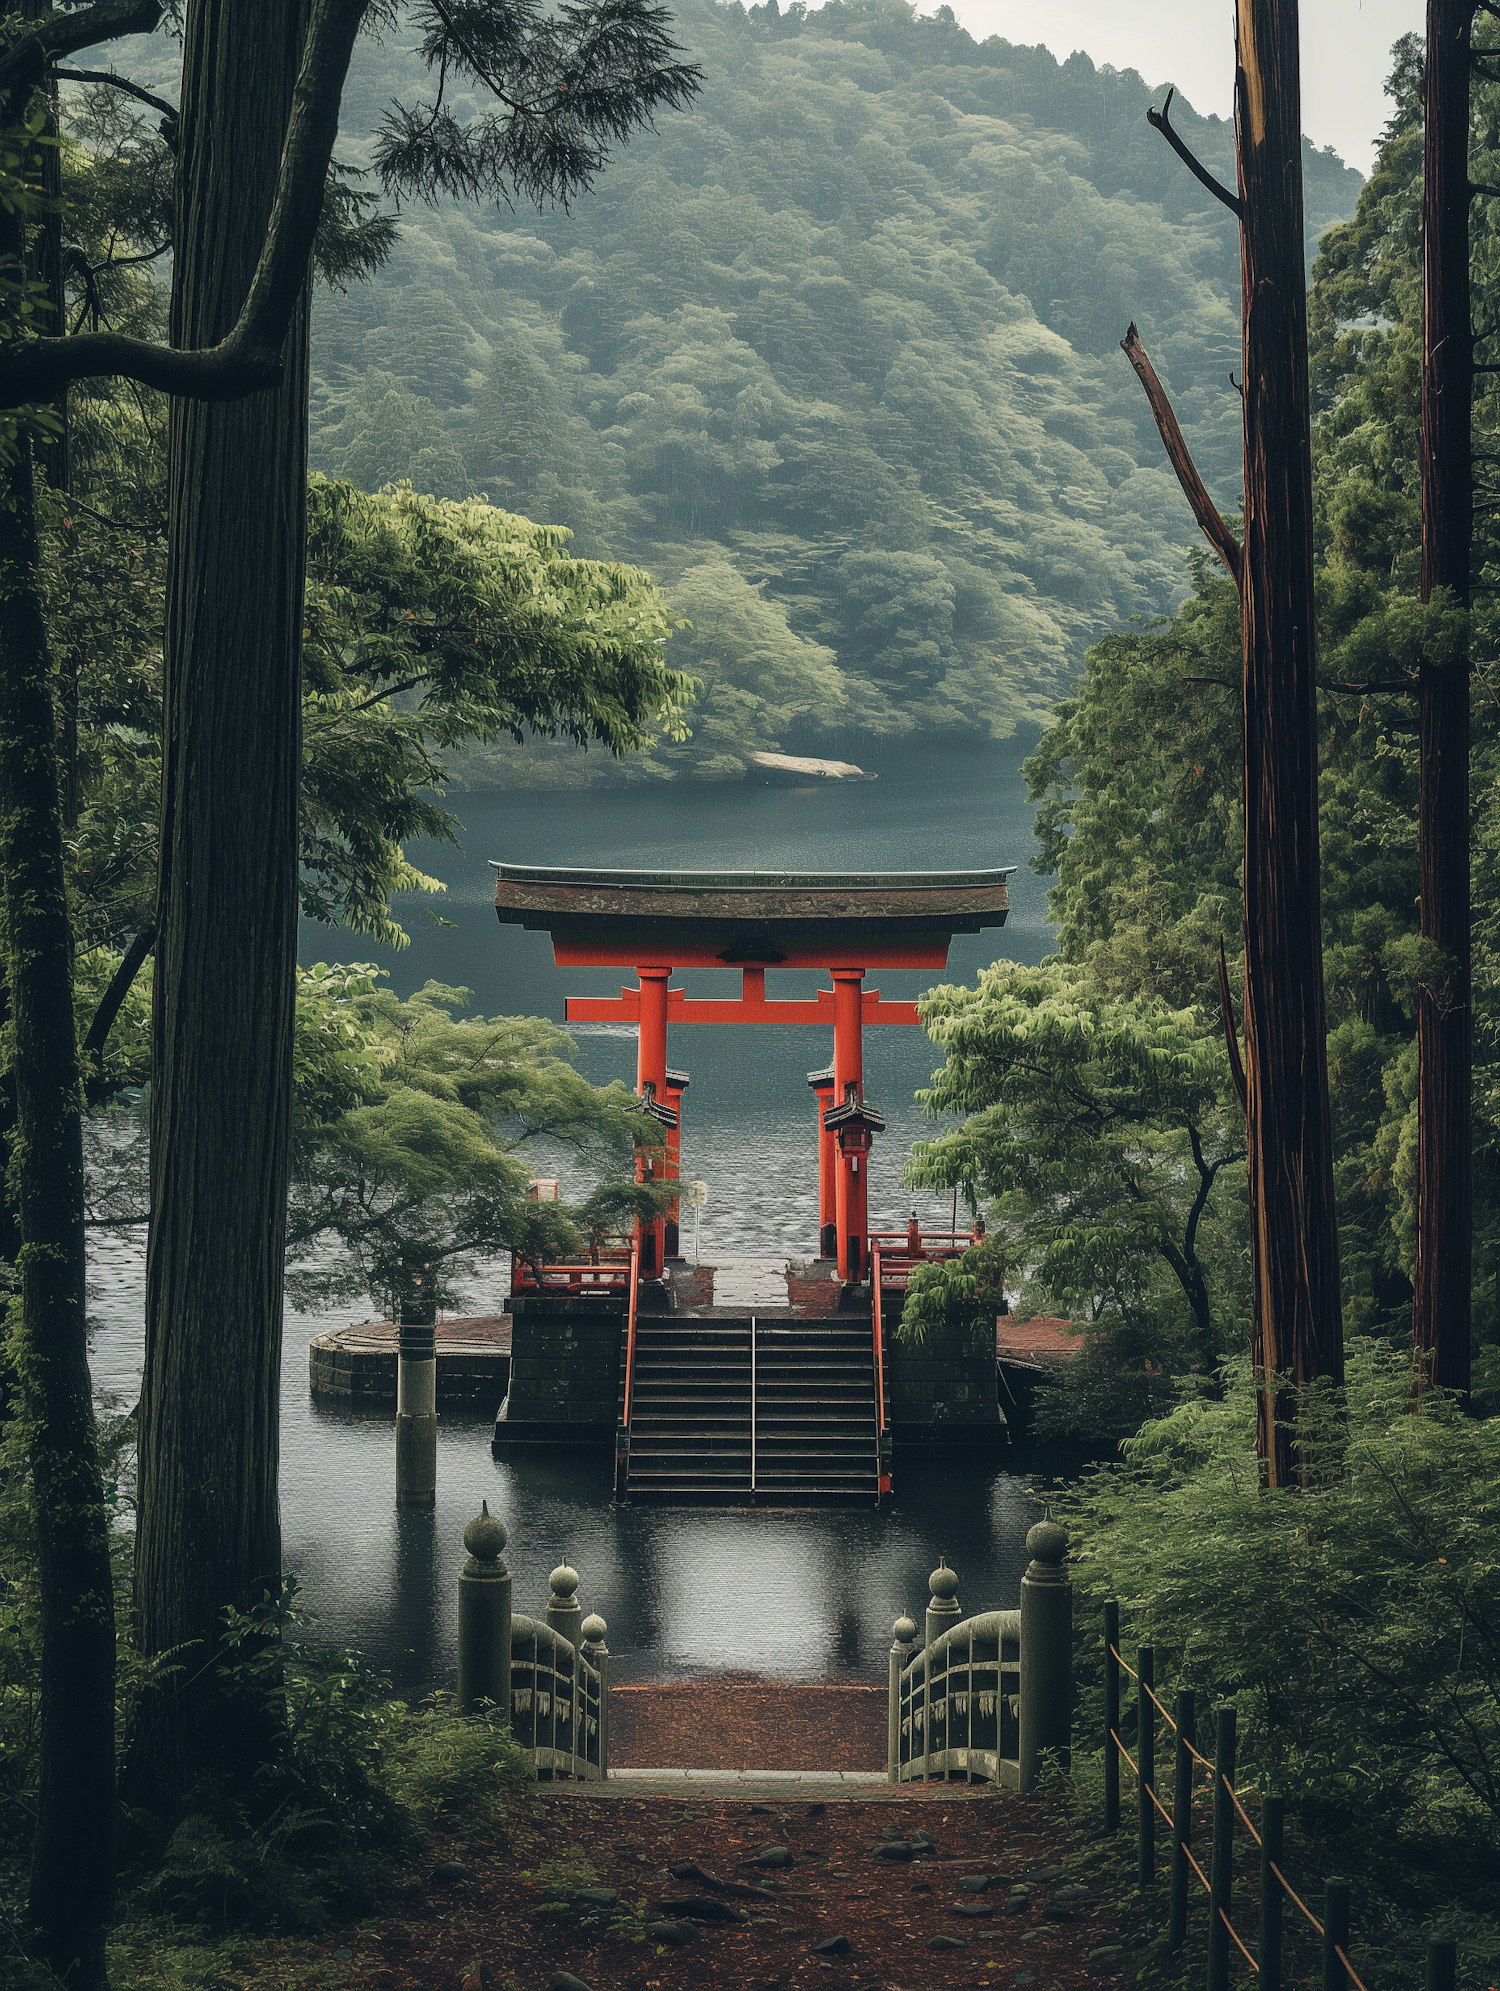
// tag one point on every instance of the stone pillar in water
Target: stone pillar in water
(416, 1403)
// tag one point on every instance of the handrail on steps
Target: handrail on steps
(876, 1325)
(622, 1429)
(635, 1283)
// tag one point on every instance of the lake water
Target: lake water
(791, 1595)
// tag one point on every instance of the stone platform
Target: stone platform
(357, 1365)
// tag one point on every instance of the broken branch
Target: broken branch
(1162, 121)
(108, 79)
(1205, 511)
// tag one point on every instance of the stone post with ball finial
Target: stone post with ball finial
(484, 1614)
(1046, 1653)
(564, 1612)
(593, 1631)
(942, 1607)
(903, 1637)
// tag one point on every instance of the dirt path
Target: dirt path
(519, 1915)
(736, 1722)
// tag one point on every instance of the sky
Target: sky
(1345, 52)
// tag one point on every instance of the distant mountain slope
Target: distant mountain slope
(836, 353)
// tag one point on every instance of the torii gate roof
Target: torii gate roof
(772, 919)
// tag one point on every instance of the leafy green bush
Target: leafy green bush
(1354, 1624)
(461, 1769)
(957, 1296)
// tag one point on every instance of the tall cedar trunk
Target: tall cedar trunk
(1299, 1329)
(210, 1535)
(1440, 1312)
(72, 1875)
(44, 258)
(43, 262)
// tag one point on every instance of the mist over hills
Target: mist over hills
(835, 354)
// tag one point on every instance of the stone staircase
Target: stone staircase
(753, 1410)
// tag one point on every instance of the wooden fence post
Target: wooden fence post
(1268, 1950)
(1182, 1817)
(1335, 1933)
(1145, 1756)
(1046, 1654)
(903, 1632)
(1442, 1963)
(1111, 1717)
(484, 1615)
(1221, 1860)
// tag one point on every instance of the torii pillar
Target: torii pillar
(850, 1121)
(828, 1147)
(677, 1085)
(651, 1085)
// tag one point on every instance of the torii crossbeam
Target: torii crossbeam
(843, 922)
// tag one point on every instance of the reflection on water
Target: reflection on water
(789, 1594)
(797, 1595)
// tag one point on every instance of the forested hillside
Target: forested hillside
(835, 354)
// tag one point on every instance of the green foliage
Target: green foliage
(1353, 1623)
(409, 1137)
(429, 624)
(1138, 778)
(458, 1770)
(1099, 1122)
(434, 622)
(958, 1297)
(845, 330)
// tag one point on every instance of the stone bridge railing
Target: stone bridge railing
(548, 1679)
(983, 1700)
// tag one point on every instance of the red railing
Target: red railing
(898, 1253)
(879, 1341)
(635, 1276)
(607, 1273)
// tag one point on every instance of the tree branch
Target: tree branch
(1405, 685)
(1231, 1034)
(110, 1003)
(250, 357)
(1161, 121)
(375, 698)
(1194, 490)
(1208, 1175)
(108, 77)
(24, 62)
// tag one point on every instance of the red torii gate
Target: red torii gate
(844, 923)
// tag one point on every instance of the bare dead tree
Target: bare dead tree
(1298, 1325)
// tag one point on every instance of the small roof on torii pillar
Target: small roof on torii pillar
(742, 919)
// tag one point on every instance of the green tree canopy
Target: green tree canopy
(411, 1138)
(1100, 1124)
